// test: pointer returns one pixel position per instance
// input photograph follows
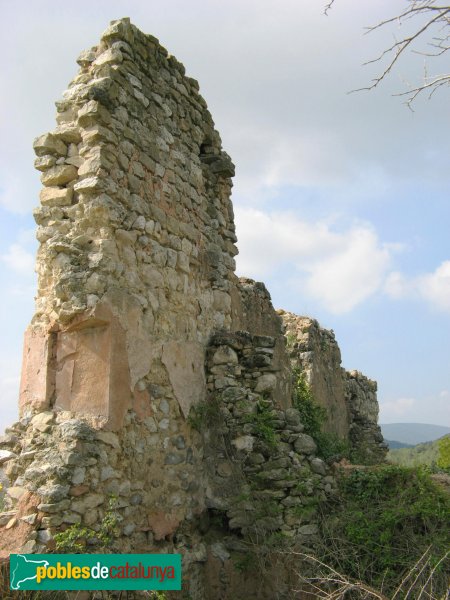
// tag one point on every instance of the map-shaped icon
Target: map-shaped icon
(24, 570)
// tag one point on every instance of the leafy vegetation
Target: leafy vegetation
(384, 520)
(435, 455)
(264, 423)
(203, 415)
(76, 538)
(313, 417)
(443, 461)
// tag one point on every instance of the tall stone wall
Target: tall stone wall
(151, 373)
(136, 232)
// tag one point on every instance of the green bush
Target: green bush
(444, 453)
(263, 422)
(76, 538)
(313, 417)
(383, 521)
(203, 415)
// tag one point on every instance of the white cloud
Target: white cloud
(433, 287)
(353, 273)
(18, 259)
(18, 195)
(400, 407)
(425, 409)
(340, 269)
(397, 285)
(270, 158)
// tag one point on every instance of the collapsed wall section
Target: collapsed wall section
(349, 398)
(365, 434)
(315, 352)
(263, 471)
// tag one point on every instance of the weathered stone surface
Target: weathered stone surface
(266, 383)
(36, 384)
(16, 492)
(49, 144)
(318, 466)
(6, 516)
(162, 525)
(315, 352)
(87, 502)
(54, 196)
(42, 421)
(308, 530)
(53, 492)
(59, 175)
(225, 355)
(184, 363)
(304, 444)
(365, 434)
(109, 438)
(244, 442)
(6, 455)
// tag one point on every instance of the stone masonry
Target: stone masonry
(151, 374)
(349, 398)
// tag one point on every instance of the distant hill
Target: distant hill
(394, 445)
(413, 433)
(422, 454)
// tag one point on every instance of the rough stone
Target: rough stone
(49, 144)
(225, 355)
(6, 516)
(318, 466)
(304, 444)
(54, 196)
(6, 455)
(59, 175)
(266, 383)
(16, 492)
(42, 421)
(110, 438)
(244, 442)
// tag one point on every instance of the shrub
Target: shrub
(384, 520)
(76, 538)
(444, 453)
(313, 417)
(263, 422)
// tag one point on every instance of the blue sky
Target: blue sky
(341, 200)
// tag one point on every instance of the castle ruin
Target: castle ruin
(149, 367)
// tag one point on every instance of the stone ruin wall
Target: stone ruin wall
(139, 318)
(136, 258)
(349, 397)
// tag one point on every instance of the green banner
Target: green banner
(95, 572)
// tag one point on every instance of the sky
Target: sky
(341, 199)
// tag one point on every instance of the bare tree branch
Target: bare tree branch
(428, 15)
(328, 7)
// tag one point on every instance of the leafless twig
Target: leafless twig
(427, 15)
